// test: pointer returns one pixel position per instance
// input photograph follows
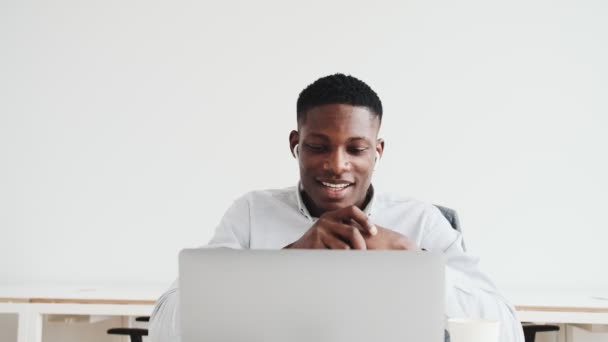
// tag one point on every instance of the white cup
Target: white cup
(473, 330)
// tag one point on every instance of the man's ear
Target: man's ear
(294, 138)
(380, 147)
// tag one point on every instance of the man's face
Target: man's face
(337, 147)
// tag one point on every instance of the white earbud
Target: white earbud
(377, 160)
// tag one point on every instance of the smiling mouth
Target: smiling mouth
(335, 186)
(335, 190)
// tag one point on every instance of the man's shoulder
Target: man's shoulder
(389, 200)
(284, 195)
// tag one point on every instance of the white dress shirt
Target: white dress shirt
(272, 219)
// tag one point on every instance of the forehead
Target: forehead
(340, 120)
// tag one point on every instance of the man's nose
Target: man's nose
(337, 162)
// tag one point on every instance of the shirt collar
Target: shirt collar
(304, 211)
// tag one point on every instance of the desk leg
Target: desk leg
(30, 325)
(22, 325)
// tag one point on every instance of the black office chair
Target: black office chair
(530, 329)
(135, 334)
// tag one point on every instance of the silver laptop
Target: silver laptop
(311, 296)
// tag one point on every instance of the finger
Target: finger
(332, 242)
(357, 241)
(356, 214)
(347, 233)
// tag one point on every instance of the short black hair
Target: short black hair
(338, 89)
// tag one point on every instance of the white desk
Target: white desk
(31, 304)
(572, 308)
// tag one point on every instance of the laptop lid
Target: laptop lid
(310, 295)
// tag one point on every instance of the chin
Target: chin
(331, 206)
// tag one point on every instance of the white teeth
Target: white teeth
(335, 186)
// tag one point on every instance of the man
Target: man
(335, 206)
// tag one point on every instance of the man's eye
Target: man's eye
(315, 147)
(358, 150)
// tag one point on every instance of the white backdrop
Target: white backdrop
(128, 127)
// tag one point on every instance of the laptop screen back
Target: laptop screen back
(310, 295)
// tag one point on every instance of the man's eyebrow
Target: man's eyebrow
(325, 137)
(318, 135)
(359, 138)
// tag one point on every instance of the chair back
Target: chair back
(452, 217)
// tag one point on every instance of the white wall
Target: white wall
(128, 127)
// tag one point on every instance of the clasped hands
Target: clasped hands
(350, 228)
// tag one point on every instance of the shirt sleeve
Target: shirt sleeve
(164, 321)
(469, 293)
(232, 232)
